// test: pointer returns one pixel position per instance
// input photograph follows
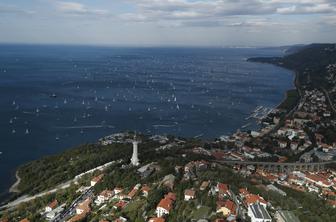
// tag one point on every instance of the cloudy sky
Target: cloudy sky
(168, 22)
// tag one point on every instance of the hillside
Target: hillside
(309, 62)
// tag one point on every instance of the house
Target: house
(165, 205)
(332, 203)
(286, 216)
(117, 190)
(96, 179)
(120, 205)
(243, 192)
(145, 190)
(104, 196)
(84, 207)
(282, 143)
(253, 199)
(133, 192)
(312, 188)
(25, 220)
(222, 189)
(294, 145)
(51, 206)
(121, 219)
(189, 194)
(318, 180)
(227, 208)
(52, 214)
(204, 185)
(78, 217)
(258, 213)
(156, 219)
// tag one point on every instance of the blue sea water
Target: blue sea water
(56, 97)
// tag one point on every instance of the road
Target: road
(71, 210)
(64, 185)
(27, 198)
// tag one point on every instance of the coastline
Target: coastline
(14, 188)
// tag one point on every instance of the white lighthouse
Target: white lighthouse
(135, 159)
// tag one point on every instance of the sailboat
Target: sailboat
(27, 131)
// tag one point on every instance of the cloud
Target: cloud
(204, 11)
(323, 8)
(75, 8)
(10, 9)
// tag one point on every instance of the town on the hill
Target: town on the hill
(285, 171)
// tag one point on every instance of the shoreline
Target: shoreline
(14, 188)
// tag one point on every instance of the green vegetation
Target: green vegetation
(50, 171)
(291, 100)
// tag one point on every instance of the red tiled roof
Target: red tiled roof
(77, 217)
(223, 188)
(171, 196)
(145, 188)
(106, 193)
(53, 204)
(85, 205)
(220, 204)
(231, 206)
(332, 202)
(317, 179)
(218, 155)
(121, 204)
(252, 198)
(132, 193)
(166, 204)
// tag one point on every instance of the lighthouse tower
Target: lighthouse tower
(135, 159)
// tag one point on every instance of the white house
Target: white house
(104, 196)
(51, 206)
(258, 213)
(189, 194)
(165, 205)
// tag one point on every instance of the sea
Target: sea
(54, 97)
